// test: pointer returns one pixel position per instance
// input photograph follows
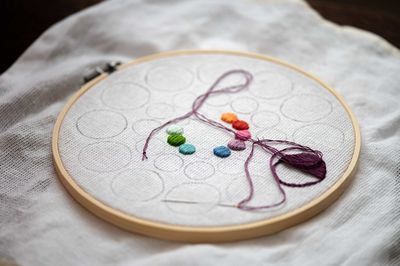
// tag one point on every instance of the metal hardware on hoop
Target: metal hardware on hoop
(109, 68)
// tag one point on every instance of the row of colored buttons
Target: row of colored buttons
(242, 134)
(177, 139)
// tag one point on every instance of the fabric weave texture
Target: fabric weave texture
(40, 224)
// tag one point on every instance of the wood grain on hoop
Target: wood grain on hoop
(204, 234)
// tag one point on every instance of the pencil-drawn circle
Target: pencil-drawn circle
(203, 153)
(160, 110)
(265, 191)
(199, 170)
(261, 156)
(169, 78)
(137, 185)
(210, 71)
(183, 99)
(231, 167)
(101, 124)
(125, 95)
(269, 85)
(244, 105)
(306, 108)
(192, 198)
(218, 100)
(237, 189)
(144, 126)
(156, 146)
(271, 133)
(319, 135)
(265, 119)
(105, 156)
(168, 162)
(184, 122)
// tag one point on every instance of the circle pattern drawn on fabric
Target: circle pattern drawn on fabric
(231, 167)
(328, 136)
(264, 191)
(265, 119)
(271, 133)
(199, 170)
(210, 71)
(184, 122)
(101, 124)
(244, 105)
(169, 78)
(192, 198)
(105, 156)
(306, 108)
(125, 96)
(137, 185)
(269, 85)
(168, 162)
(145, 126)
(219, 100)
(260, 156)
(183, 99)
(156, 146)
(160, 110)
(203, 153)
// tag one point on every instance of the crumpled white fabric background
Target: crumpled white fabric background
(40, 224)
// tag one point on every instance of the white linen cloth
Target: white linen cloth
(40, 224)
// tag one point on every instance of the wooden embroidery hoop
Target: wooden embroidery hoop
(204, 234)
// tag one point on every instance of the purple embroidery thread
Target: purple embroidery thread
(306, 160)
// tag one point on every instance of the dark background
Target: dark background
(24, 20)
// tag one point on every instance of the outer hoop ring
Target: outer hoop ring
(204, 234)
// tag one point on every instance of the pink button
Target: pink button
(237, 145)
(243, 134)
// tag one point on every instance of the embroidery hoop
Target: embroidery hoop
(204, 234)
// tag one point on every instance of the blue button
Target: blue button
(222, 151)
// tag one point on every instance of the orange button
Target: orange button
(229, 117)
